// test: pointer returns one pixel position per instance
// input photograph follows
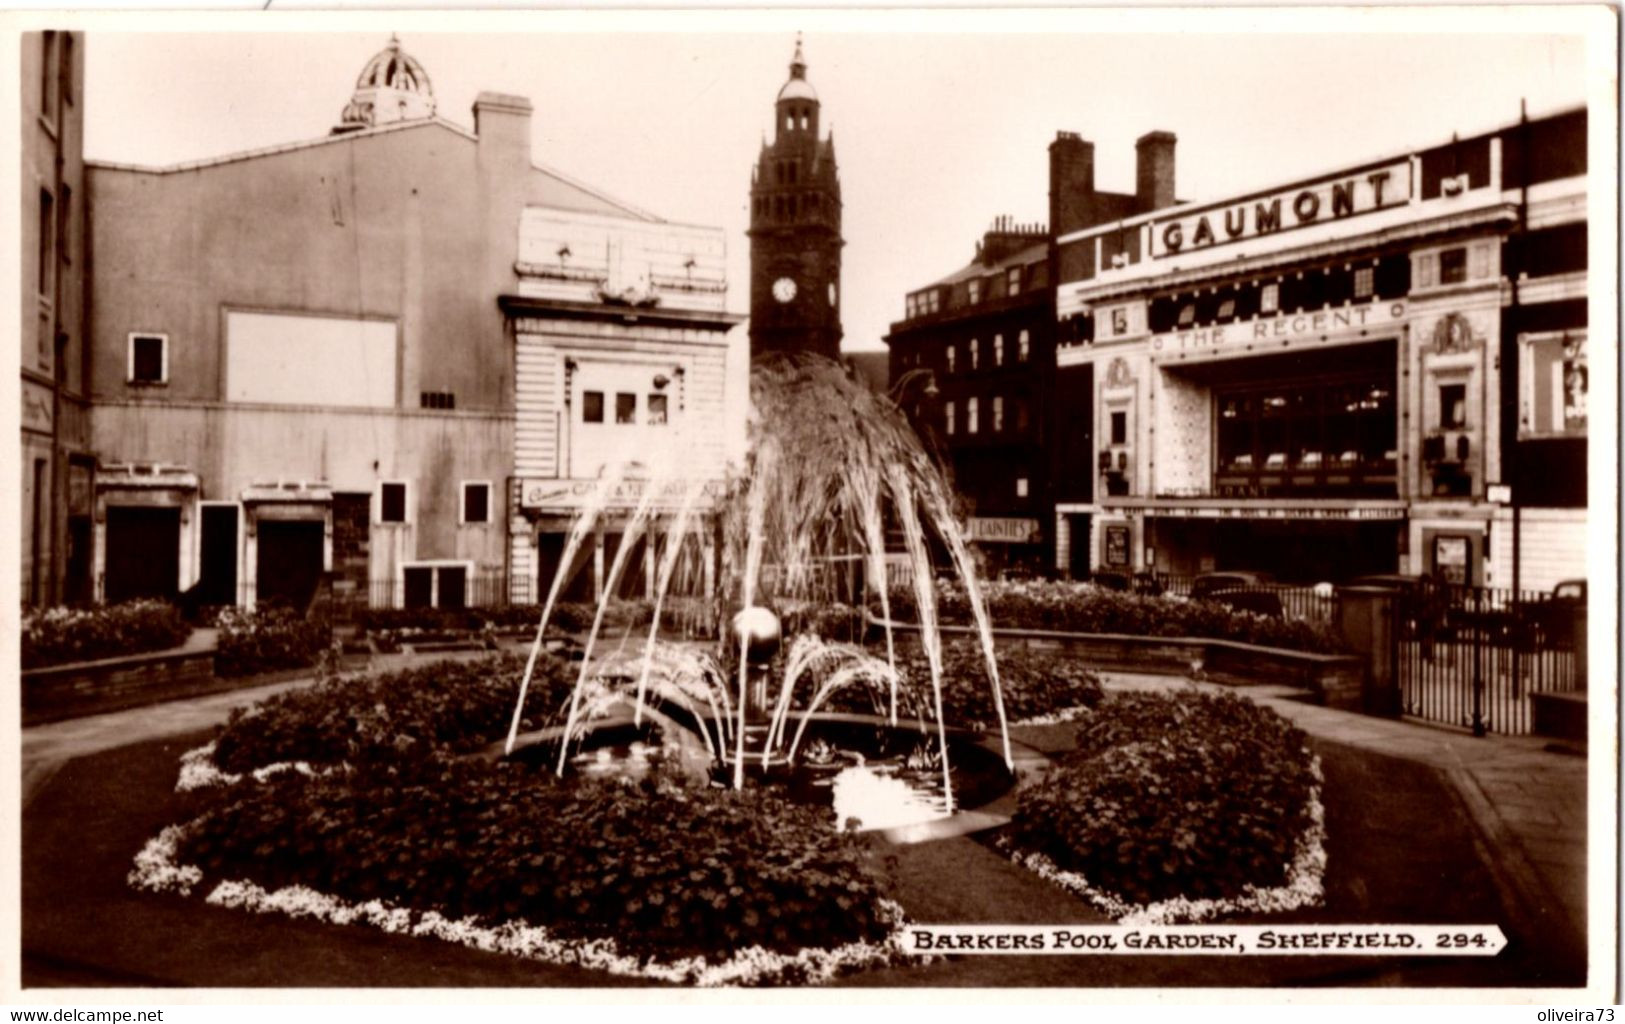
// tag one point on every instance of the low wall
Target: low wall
(1335, 680)
(92, 687)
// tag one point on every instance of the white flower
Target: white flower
(198, 771)
(157, 870)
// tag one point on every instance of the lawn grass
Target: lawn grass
(1400, 845)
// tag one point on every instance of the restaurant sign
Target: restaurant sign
(1286, 327)
(1302, 206)
(984, 530)
(621, 494)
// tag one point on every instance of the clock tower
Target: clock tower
(795, 230)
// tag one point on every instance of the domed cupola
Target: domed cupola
(392, 87)
(797, 87)
(797, 105)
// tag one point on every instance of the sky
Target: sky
(941, 119)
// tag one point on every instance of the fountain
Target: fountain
(829, 458)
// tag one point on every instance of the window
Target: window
(1453, 265)
(626, 407)
(1119, 427)
(47, 242)
(998, 414)
(1187, 314)
(1021, 487)
(1452, 406)
(934, 300)
(1554, 381)
(970, 415)
(1227, 309)
(656, 410)
(64, 234)
(476, 502)
(973, 290)
(1012, 281)
(437, 400)
(1364, 282)
(975, 352)
(948, 418)
(392, 502)
(592, 407)
(998, 350)
(951, 350)
(149, 359)
(1021, 414)
(67, 67)
(1021, 347)
(49, 70)
(435, 585)
(1269, 298)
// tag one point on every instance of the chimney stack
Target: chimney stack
(1154, 170)
(1071, 183)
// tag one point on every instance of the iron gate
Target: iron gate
(1474, 656)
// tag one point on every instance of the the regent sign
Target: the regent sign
(1286, 327)
(571, 494)
(1333, 199)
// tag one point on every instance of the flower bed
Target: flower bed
(60, 636)
(415, 714)
(1178, 807)
(346, 801)
(266, 640)
(1084, 608)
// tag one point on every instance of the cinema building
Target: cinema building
(349, 360)
(1377, 369)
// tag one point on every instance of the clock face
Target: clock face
(832, 293)
(784, 289)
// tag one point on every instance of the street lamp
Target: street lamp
(900, 385)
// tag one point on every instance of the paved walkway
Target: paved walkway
(45, 748)
(1527, 800)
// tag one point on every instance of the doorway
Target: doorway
(288, 565)
(217, 575)
(143, 553)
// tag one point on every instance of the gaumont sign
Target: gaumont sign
(1286, 327)
(1349, 195)
(621, 494)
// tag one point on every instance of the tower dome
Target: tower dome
(797, 87)
(392, 87)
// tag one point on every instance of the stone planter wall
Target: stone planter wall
(92, 687)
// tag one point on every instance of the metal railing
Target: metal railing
(1317, 604)
(1475, 656)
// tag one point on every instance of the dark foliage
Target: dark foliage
(1167, 796)
(267, 640)
(1080, 608)
(61, 636)
(661, 870)
(413, 714)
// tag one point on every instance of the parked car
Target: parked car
(1242, 590)
(1423, 605)
(1209, 583)
(1138, 583)
(1549, 624)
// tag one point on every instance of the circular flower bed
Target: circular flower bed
(1179, 807)
(348, 801)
